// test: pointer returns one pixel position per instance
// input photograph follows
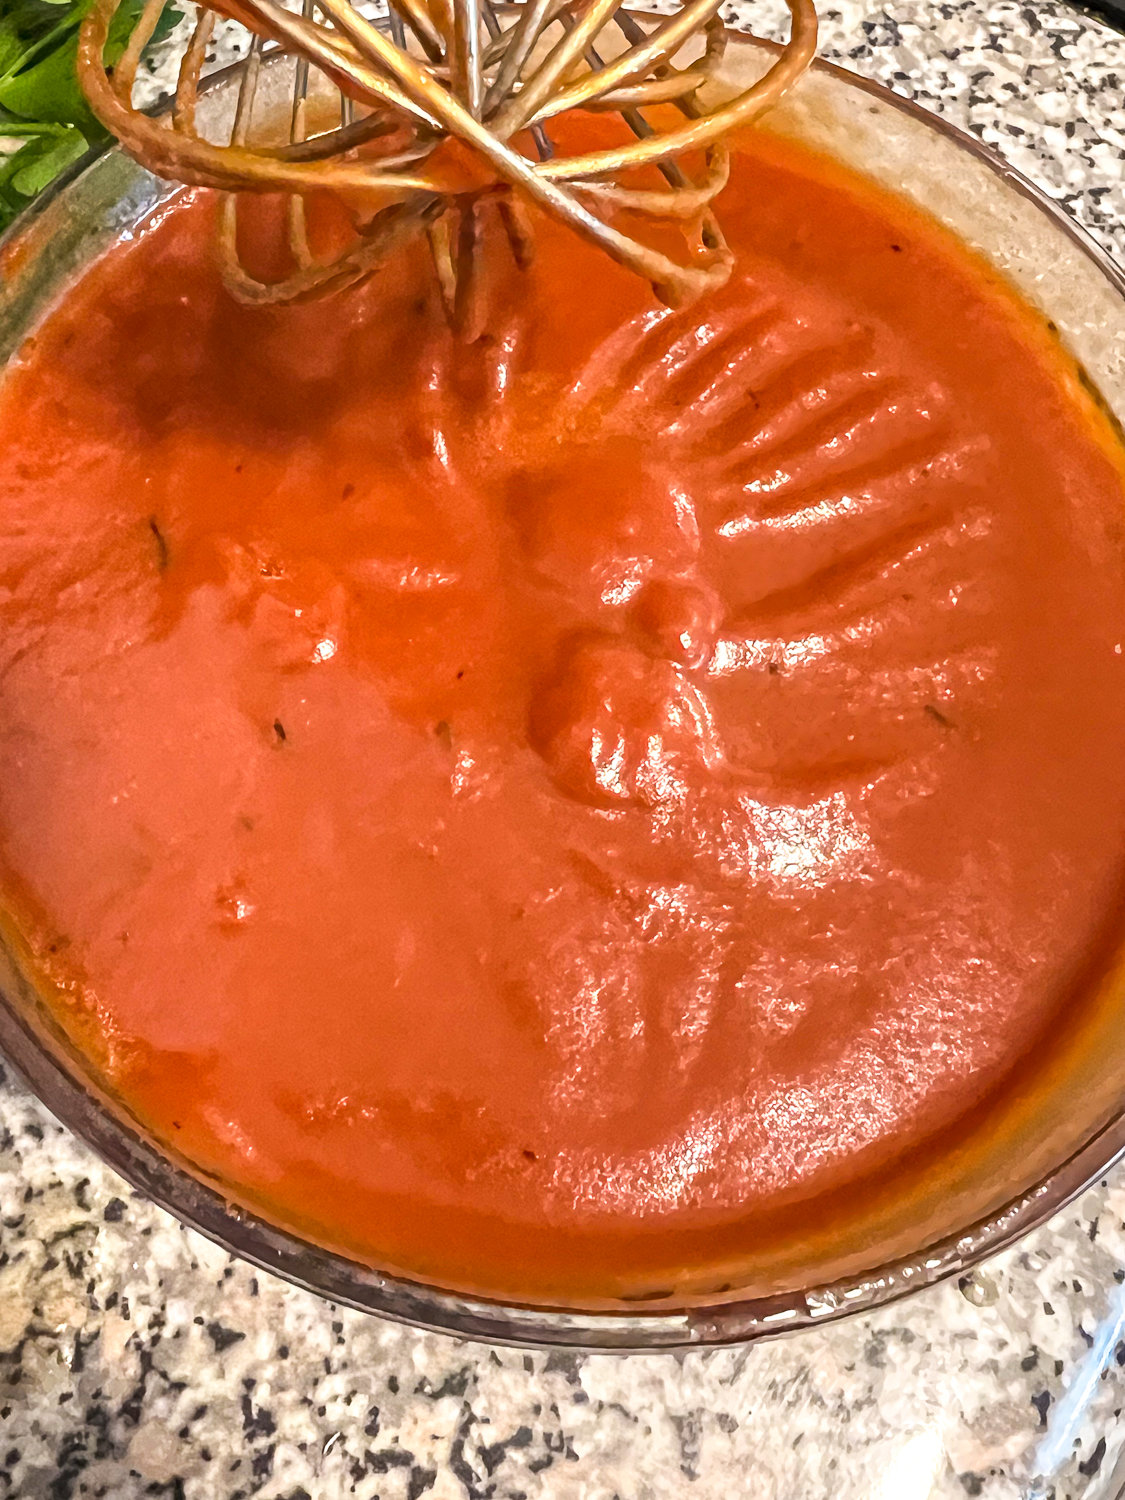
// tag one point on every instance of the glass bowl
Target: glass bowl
(1029, 1154)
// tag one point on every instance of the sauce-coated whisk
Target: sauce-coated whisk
(448, 71)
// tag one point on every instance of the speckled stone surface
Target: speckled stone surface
(136, 1359)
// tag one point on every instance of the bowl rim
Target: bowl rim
(621, 1327)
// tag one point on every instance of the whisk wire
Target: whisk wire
(471, 71)
(191, 67)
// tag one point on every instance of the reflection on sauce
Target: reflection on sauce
(534, 812)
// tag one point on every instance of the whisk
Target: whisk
(442, 75)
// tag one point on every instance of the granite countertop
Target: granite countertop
(136, 1359)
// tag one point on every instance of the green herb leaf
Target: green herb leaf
(166, 25)
(49, 91)
(41, 28)
(29, 170)
(40, 97)
(25, 128)
(54, 155)
(12, 45)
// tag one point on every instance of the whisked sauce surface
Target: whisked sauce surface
(536, 814)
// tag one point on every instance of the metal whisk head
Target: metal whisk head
(491, 78)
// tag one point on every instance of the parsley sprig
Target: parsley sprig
(41, 103)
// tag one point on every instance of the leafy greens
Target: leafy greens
(41, 103)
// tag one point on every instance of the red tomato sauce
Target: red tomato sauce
(530, 814)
